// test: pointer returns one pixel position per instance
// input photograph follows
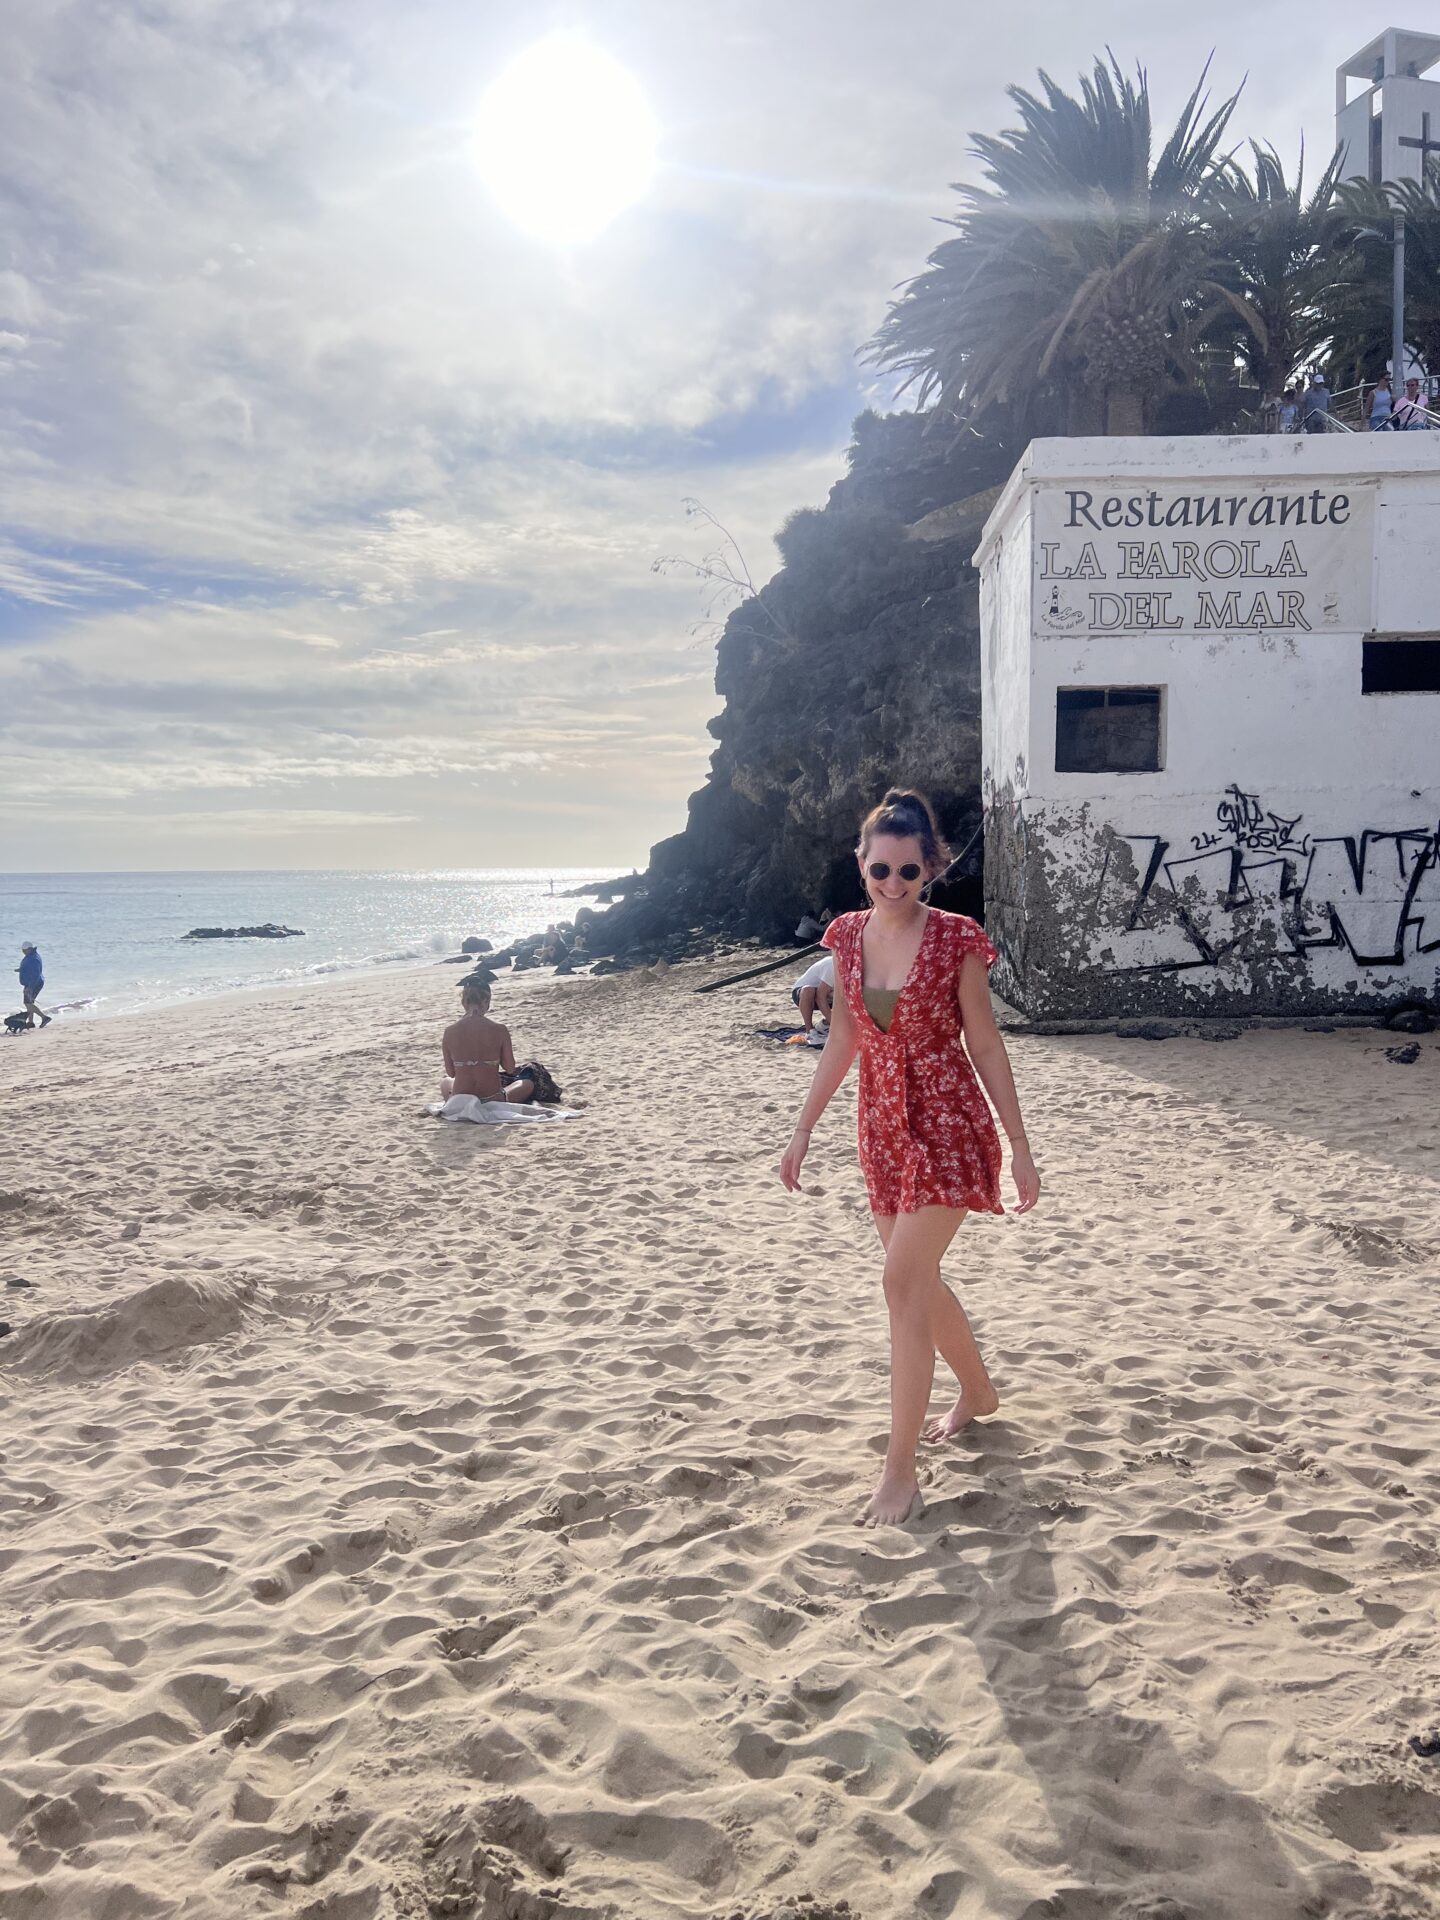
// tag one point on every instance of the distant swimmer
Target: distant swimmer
(32, 980)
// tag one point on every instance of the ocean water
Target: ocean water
(112, 943)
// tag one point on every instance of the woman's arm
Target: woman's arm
(987, 1053)
(834, 1063)
(445, 1050)
(507, 1051)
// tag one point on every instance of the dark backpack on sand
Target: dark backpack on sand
(547, 1093)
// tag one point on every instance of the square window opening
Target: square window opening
(1401, 666)
(1107, 729)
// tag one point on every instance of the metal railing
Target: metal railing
(1429, 420)
(1347, 413)
(1346, 401)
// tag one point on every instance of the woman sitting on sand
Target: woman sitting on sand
(479, 1058)
(909, 980)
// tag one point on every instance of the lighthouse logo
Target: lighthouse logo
(1058, 618)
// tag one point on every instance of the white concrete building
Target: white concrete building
(1393, 122)
(1211, 724)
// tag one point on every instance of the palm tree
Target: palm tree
(1074, 271)
(1273, 263)
(1357, 300)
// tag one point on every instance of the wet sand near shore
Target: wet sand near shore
(400, 1520)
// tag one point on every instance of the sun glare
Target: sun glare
(565, 140)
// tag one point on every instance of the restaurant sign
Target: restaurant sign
(1189, 557)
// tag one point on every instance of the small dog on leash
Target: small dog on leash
(17, 1023)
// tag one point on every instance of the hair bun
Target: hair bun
(907, 812)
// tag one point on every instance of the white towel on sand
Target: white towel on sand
(493, 1113)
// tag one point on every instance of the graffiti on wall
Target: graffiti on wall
(1257, 885)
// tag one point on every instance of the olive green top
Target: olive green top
(880, 1005)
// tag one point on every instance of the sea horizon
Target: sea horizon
(114, 942)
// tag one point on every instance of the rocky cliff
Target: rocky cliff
(857, 667)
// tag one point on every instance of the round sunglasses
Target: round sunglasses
(880, 870)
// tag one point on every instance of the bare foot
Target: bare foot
(894, 1501)
(961, 1414)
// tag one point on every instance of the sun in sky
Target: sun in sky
(565, 140)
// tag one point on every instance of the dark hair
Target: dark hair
(475, 991)
(909, 816)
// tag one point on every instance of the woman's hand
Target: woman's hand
(1026, 1178)
(794, 1159)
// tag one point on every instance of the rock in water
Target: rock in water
(474, 944)
(270, 931)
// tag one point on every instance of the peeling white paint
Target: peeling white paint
(1284, 858)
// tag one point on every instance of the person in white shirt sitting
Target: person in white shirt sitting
(814, 992)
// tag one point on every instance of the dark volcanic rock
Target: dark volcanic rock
(268, 932)
(1404, 1056)
(857, 667)
(1145, 1030)
(474, 944)
(1411, 1018)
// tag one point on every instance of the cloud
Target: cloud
(47, 580)
(281, 820)
(316, 477)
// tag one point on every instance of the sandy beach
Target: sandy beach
(403, 1520)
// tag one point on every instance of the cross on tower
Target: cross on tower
(1426, 145)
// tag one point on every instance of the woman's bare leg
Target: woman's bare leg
(914, 1245)
(956, 1344)
(519, 1091)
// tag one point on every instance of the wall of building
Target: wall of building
(1284, 858)
(1403, 101)
(1352, 132)
(1005, 726)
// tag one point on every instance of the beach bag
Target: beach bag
(547, 1093)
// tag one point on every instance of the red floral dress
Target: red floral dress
(927, 1136)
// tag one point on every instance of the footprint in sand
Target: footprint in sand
(344, 1553)
(474, 1638)
(488, 1861)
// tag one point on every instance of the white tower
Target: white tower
(1392, 127)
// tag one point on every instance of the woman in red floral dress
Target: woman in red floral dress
(909, 981)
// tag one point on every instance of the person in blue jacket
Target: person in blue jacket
(32, 978)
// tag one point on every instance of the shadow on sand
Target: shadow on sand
(1147, 1833)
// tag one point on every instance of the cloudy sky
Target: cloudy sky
(329, 495)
